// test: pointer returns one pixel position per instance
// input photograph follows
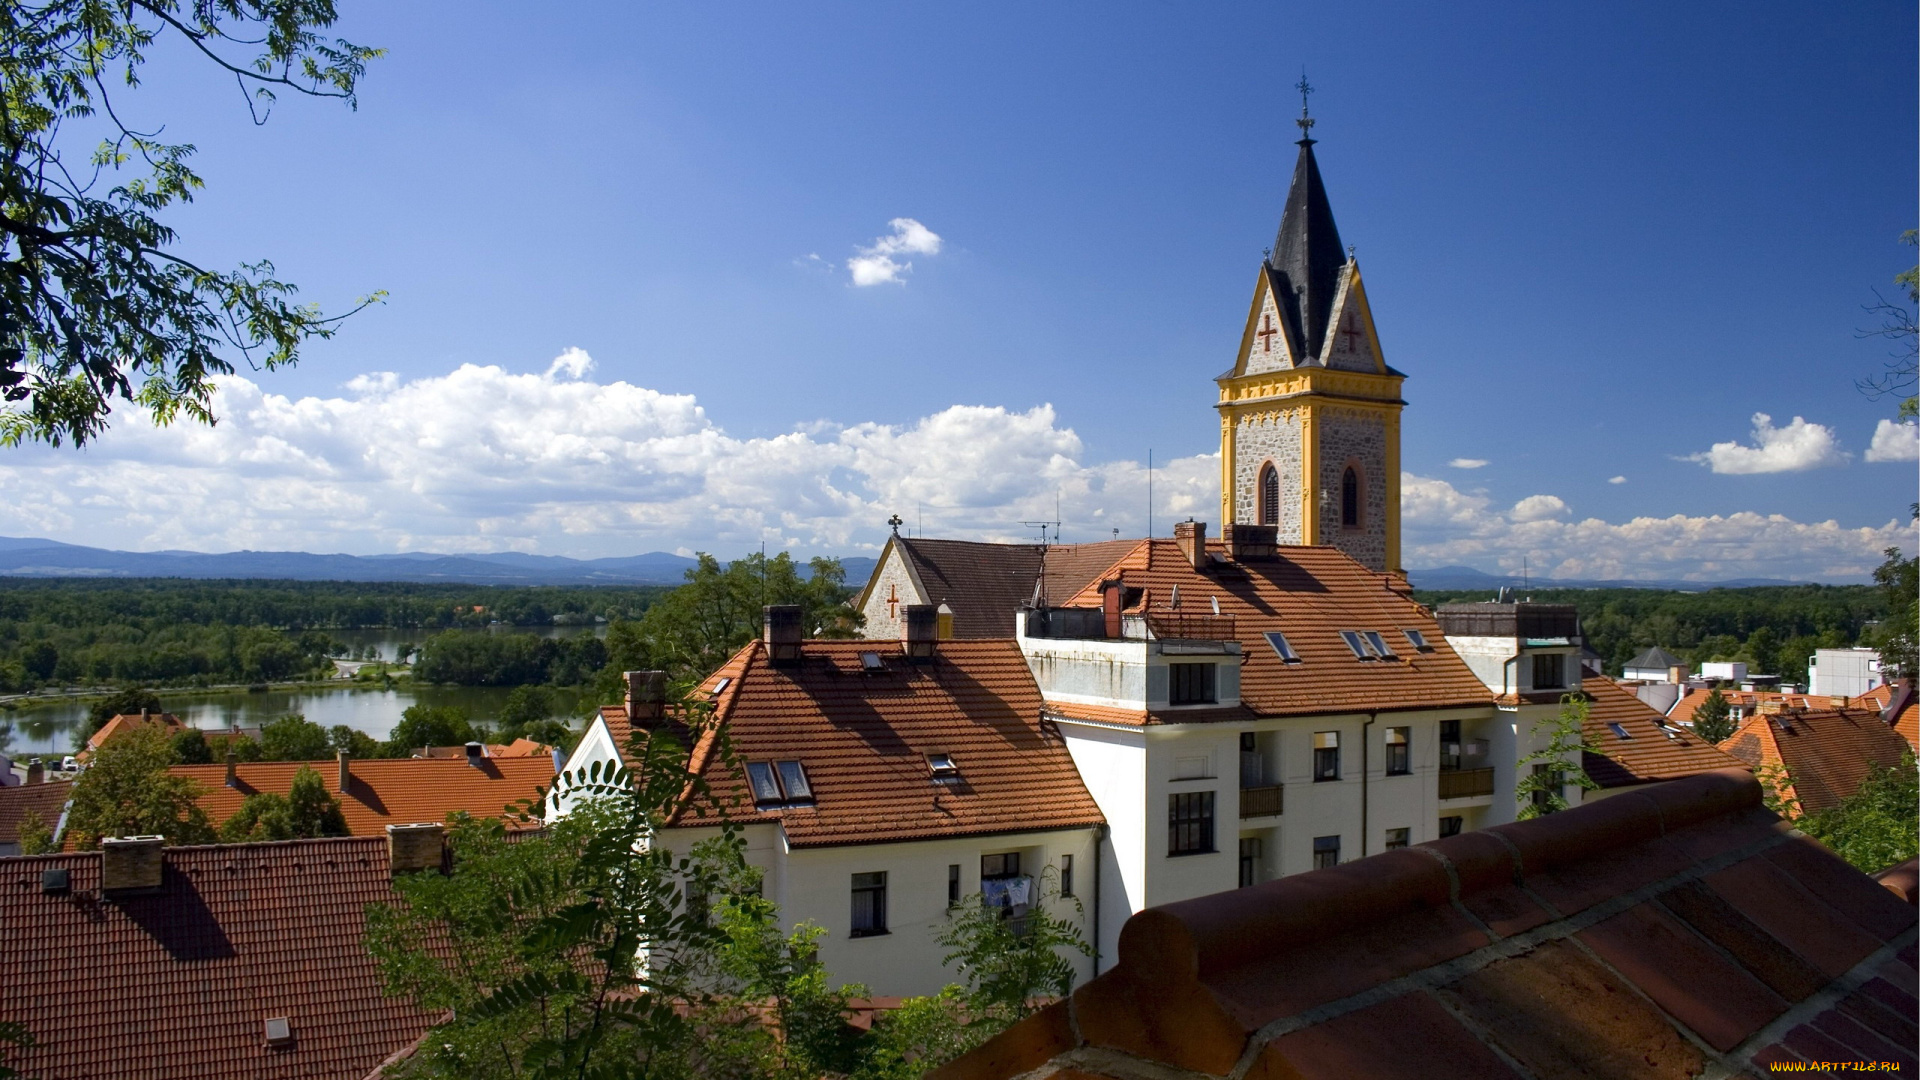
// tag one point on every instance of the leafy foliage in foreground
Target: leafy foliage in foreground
(1879, 824)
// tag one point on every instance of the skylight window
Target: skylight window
(870, 662)
(1280, 647)
(1418, 640)
(1619, 731)
(1361, 648)
(777, 783)
(721, 686)
(944, 770)
(1378, 644)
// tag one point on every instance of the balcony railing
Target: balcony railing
(1260, 801)
(1176, 624)
(1465, 783)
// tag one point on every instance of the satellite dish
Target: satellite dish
(1216, 604)
(1174, 601)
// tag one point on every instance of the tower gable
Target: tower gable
(1266, 344)
(1352, 343)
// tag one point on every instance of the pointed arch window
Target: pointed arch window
(1269, 495)
(1350, 498)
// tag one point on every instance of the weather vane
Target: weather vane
(1305, 121)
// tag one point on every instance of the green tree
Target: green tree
(15, 1035)
(1545, 773)
(36, 836)
(357, 744)
(922, 1034)
(126, 790)
(1713, 718)
(307, 810)
(429, 725)
(190, 748)
(1007, 962)
(96, 301)
(698, 626)
(1896, 637)
(1879, 824)
(572, 952)
(1897, 324)
(784, 972)
(294, 738)
(263, 816)
(125, 703)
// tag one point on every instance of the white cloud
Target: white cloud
(1537, 508)
(1445, 526)
(1616, 479)
(1795, 448)
(1895, 442)
(482, 459)
(876, 265)
(1468, 463)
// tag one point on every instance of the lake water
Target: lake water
(56, 727)
(386, 642)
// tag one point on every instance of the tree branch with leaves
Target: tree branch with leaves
(1546, 772)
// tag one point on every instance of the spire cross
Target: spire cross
(1305, 121)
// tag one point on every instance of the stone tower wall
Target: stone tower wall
(1258, 439)
(1352, 435)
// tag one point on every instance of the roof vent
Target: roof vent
(414, 847)
(920, 630)
(131, 863)
(784, 629)
(54, 881)
(279, 1030)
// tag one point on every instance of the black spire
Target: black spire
(1307, 255)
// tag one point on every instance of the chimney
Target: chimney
(1251, 543)
(476, 753)
(1113, 593)
(783, 632)
(1677, 674)
(345, 758)
(646, 698)
(233, 772)
(145, 714)
(36, 772)
(414, 847)
(1192, 538)
(920, 630)
(131, 863)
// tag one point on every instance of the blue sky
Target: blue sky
(1599, 240)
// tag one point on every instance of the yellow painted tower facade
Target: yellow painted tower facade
(1310, 411)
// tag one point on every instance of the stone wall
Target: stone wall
(1349, 435)
(1269, 353)
(1261, 438)
(883, 622)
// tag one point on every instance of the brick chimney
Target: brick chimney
(920, 630)
(1251, 543)
(36, 772)
(1191, 536)
(131, 863)
(345, 758)
(414, 847)
(1113, 593)
(233, 772)
(646, 698)
(783, 629)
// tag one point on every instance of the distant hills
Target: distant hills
(33, 557)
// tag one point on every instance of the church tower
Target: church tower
(1310, 412)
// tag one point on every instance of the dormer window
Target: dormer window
(943, 769)
(1281, 648)
(1549, 671)
(778, 783)
(1379, 644)
(1418, 640)
(1619, 732)
(1360, 646)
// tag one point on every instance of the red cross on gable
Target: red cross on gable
(893, 602)
(1266, 335)
(1351, 332)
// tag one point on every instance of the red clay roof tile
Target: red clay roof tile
(1827, 752)
(984, 584)
(385, 791)
(1700, 959)
(180, 983)
(1650, 751)
(44, 801)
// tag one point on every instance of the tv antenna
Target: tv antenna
(1040, 582)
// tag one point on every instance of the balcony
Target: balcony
(1263, 801)
(1465, 783)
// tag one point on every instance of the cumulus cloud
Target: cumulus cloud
(1467, 463)
(553, 461)
(1537, 508)
(1795, 448)
(1616, 479)
(877, 265)
(1444, 526)
(1895, 442)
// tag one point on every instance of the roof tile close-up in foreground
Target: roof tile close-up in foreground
(1676, 930)
(180, 981)
(862, 720)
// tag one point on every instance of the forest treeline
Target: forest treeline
(1774, 629)
(171, 632)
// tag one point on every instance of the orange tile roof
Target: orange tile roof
(1309, 594)
(181, 982)
(127, 722)
(1749, 700)
(522, 747)
(863, 738)
(1827, 752)
(384, 791)
(1651, 752)
(984, 584)
(45, 801)
(1903, 698)
(1671, 931)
